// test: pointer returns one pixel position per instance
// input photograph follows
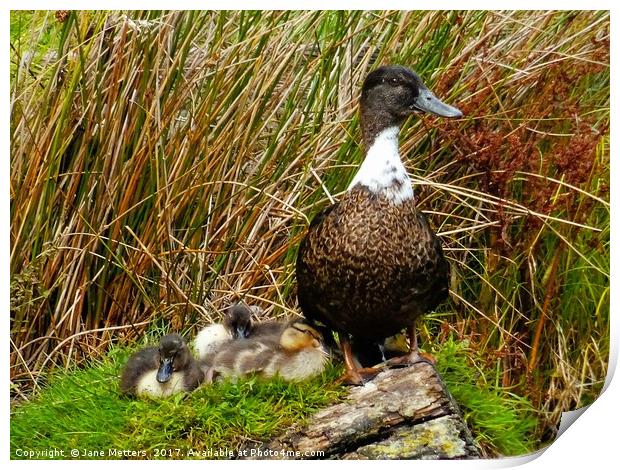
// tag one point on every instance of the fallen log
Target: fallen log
(404, 413)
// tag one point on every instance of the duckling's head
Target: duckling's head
(238, 321)
(173, 356)
(393, 92)
(397, 343)
(298, 336)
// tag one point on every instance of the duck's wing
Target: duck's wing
(194, 376)
(430, 269)
(268, 329)
(305, 285)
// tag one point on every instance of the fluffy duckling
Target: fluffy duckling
(160, 371)
(297, 354)
(371, 353)
(237, 324)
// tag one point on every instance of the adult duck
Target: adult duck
(370, 265)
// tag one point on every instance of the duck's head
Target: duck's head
(174, 356)
(238, 321)
(392, 92)
(298, 336)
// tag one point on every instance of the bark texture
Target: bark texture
(404, 413)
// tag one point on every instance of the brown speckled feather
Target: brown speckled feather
(369, 267)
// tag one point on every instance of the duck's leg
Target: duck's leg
(414, 354)
(354, 375)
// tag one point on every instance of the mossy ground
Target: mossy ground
(501, 422)
(81, 409)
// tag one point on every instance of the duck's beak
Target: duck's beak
(165, 370)
(242, 332)
(429, 103)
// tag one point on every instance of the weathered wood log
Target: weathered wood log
(404, 413)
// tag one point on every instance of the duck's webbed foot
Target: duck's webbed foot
(410, 359)
(414, 356)
(354, 375)
(359, 376)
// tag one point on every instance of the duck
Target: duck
(163, 370)
(297, 354)
(264, 329)
(370, 265)
(370, 354)
(237, 324)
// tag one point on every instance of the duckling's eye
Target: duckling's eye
(391, 81)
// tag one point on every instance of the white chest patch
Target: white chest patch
(382, 170)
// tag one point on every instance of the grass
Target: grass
(501, 422)
(166, 164)
(82, 409)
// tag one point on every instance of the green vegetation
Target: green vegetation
(500, 421)
(166, 164)
(82, 409)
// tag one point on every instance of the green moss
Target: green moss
(500, 421)
(438, 438)
(81, 409)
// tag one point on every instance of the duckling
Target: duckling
(264, 329)
(297, 354)
(237, 324)
(160, 371)
(372, 353)
(370, 265)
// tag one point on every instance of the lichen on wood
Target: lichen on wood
(404, 413)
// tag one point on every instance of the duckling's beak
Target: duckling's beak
(429, 103)
(242, 332)
(165, 370)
